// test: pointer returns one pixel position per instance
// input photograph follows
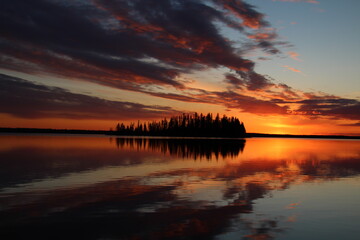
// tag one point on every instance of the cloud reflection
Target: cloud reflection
(157, 188)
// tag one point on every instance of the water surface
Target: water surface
(94, 187)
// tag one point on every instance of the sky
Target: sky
(280, 66)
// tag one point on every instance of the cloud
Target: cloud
(229, 99)
(133, 45)
(338, 108)
(266, 41)
(357, 124)
(28, 100)
(234, 81)
(141, 46)
(262, 36)
(255, 81)
(292, 69)
(305, 1)
(249, 104)
(282, 92)
(110, 42)
(294, 55)
(246, 12)
(127, 44)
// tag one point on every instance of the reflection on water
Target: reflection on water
(196, 148)
(153, 188)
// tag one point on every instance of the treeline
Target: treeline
(186, 125)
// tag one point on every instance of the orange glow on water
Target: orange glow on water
(300, 149)
(75, 172)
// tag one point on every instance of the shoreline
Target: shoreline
(112, 133)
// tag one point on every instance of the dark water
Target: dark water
(74, 187)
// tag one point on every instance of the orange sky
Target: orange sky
(94, 64)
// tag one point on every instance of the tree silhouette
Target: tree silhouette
(186, 125)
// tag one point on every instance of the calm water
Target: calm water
(75, 187)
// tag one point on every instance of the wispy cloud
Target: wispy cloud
(108, 42)
(292, 69)
(28, 100)
(306, 1)
(294, 55)
(133, 45)
(357, 124)
(143, 46)
(338, 108)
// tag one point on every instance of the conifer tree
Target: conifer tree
(191, 125)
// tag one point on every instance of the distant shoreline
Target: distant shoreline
(264, 135)
(113, 133)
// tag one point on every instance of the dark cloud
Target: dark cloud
(234, 81)
(250, 79)
(351, 124)
(109, 41)
(128, 44)
(179, 97)
(250, 16)
(140, 45)
(28, 100)
(250, 104)
(347, 112)
(229, 99)
(268, 47)
(266, 41)
(283, 93)
(341, 108)
(255, 81)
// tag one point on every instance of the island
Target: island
(186, 125)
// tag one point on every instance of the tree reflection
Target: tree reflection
(161, 198)
(196, 148)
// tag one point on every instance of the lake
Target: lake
(98, 187)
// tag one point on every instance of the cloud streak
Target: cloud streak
(338, 108)
(132, 45)
(305, 1)
(143, 46)
(294, 55)
(27, 100)
(292, 69)
(113, 39)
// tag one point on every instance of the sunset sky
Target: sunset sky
(280, 66)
